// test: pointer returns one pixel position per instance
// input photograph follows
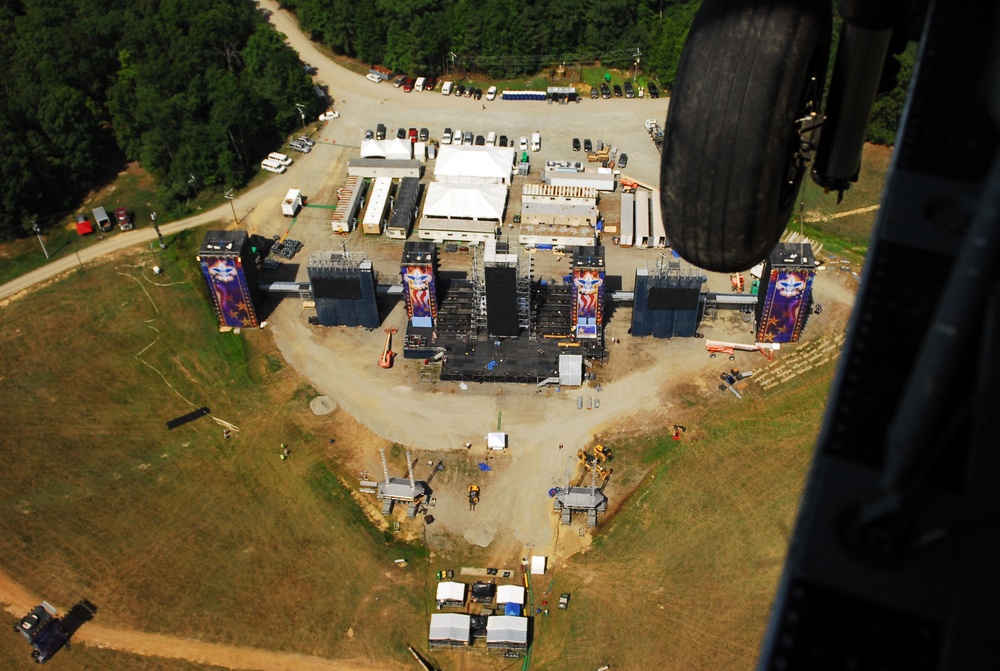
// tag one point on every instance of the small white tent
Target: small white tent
(510, 594)
(496, 440)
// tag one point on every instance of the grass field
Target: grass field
(683, 576)
(846, 236)
(182, 531)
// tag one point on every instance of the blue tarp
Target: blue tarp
(484, 467)
(512, 609)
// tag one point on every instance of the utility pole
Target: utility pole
(230, 197)
(635, 72)
(152, 215)
(302, 113)
(38, 232)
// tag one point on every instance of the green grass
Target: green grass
(847, 237)
(683, 576)
(182, 531)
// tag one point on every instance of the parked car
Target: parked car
(594, 93)
(588, 146)
(430, 83)
(329, 115)
(446, 88)
(491, 93)
(306, 140)
(523, 143)
(460, 90)
(446, 136)
(502, 141)
(653, 91)
(629, 90)
(618, 91)
(373, 78)
(412, 135)
(467, 139)
(299, 147)
(477, 94)
(622, 160)
(408, 84)
(398, 81)
(309, 69)
(480, 141)
(124, 219)
(424, 135)
(281, 158)
(576, 144)
(456, 138)
(605, 91)
(272, 166)
(469, 91)
(401, 133)
(369, 134)
(380, 132)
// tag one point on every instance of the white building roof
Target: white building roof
(465, 201)
(450, 627)
(496, 440)
(392, 148)
(537, 565)
(506, 629)
(510, 594)
(451, 591)
(474, 165)
(571, 370)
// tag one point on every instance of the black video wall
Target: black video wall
(501, 300)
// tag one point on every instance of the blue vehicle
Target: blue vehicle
(42, 630)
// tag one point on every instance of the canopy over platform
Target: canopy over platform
(496, 440)
(510, 594)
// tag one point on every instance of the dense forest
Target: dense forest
(198, 91)
(195, 90)
(502, 38)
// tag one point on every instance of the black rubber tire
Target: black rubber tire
(728, 179)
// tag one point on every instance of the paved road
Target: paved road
(362, 105)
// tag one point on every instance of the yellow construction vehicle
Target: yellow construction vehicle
(473, 496)
(603, 453)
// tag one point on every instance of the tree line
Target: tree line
(198, 91)
(195, 90)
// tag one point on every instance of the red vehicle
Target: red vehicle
(408, 84)
(124, 219)
(430, 83)
(413, 135)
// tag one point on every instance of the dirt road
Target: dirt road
(19, 601)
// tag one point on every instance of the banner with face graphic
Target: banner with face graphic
(227, 287)
(784, 310)
(588, 285)
(420, 300)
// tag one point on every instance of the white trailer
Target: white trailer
(627, 235)
(658, 238)
(642, 218)
(378, 203)
(292, 202)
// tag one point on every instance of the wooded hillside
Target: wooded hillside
(195, 90)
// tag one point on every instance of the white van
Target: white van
(419, 86)
(536, 141)
(272, 166)
(456, 138)
(446, 88)
(446, 136)
(280, 158)
(491, 93)
(491, 139)
(523, 144)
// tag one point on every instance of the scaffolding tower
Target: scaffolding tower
(478, 296)
(524, 267)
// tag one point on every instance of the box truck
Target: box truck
(292, 202)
